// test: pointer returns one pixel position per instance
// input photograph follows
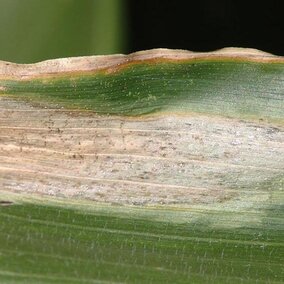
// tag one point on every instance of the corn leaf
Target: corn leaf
(161, 166)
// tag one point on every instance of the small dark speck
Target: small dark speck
(5, 203)
(271, 130)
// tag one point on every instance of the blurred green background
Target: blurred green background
(35, 30)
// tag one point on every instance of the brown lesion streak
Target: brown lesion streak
(162, 160)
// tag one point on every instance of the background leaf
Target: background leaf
(32, 30)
